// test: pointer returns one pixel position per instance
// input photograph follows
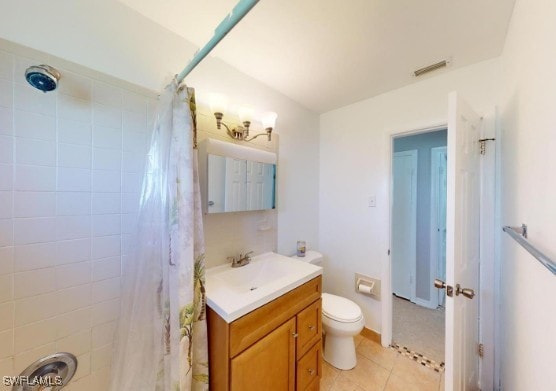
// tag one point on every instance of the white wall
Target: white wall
(528, 191)
(108, 37)
(354, 163)
(71, 166)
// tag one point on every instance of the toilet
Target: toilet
(342, 319)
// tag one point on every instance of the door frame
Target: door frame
(386, 275)
(434, 244)
(414, 154)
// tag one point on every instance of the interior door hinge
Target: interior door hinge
(481, 350)
(482, 142)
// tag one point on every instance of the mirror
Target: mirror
(236, 185)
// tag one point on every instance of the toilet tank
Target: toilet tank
(311, 256)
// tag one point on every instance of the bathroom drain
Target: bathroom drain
(51, 373)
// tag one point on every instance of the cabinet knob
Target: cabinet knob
(295, 335)
(311, 327)
(311, 371)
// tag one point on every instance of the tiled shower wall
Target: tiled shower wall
(71, 163)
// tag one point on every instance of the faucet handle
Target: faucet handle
(231, 259)
(247, 254)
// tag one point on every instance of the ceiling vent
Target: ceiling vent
(430, 68)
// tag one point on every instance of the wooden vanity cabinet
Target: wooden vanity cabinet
(275, 347)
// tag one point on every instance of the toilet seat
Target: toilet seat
(340, 309)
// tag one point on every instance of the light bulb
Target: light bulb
(269, 120)
(246, 113)
(218, 103)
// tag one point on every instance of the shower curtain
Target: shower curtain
(162, 338)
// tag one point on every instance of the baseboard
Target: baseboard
(371, 334)
(424, 303)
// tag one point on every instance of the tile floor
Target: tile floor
(380, 369)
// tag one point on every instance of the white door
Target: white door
(255, 185)
(235, 185)
(438, 222)
(462, 246)
(404, 221)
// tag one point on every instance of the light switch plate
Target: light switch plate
(372, 201)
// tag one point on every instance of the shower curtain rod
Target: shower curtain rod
(240, 10)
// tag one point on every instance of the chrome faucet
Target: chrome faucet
(242, 260)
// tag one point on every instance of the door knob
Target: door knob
(442, 285)
(467, 292)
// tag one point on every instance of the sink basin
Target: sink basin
(234, 292)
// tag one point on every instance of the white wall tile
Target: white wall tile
(101, 358)
(6, 287)
(73, 227)
(127, 244)
(106, 181)
(77, 344)
(130, 202)
(74, 132)
(133, 161)
(73, 298)
(104, 225)
(33, 309)
(7, 316)
(6, 204)
(73, 322)
(76, 156)
(33, 125)
(134, 122)
(134, 141)
(34, 230)
(6, 121)
(84, 367)
(107, 94)
(106, 311)
(134, 102)
(73, 203)
(106, 246)
(106, 290)
(33, 335)
(6, 93)
(35, 178)
(6, 176)
(74, 179)
(106, 268)
(6, 260)
(84, 383)
(131, 182)
(106, 203)
(75, 85)
(103, 334)
(73, 108)
(129, 223)
(107, 159)
(73, 274)
(34, 282)
(30, 99)
(107, 116)
(34, 204)
(6, 65)
(105, 137)
(35, 256)
(6, 343)
(70, 251)
(101, 379)
(6, 232)
(6, 149)
(22, 360)
(35, 152)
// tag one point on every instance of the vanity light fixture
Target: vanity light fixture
(218, 106)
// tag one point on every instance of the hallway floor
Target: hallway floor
(418, 328)
(380, 369)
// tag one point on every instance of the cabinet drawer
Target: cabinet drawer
(309, 368)
(309, 327)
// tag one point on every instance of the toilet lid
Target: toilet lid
(340, 309)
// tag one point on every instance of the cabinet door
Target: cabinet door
(309, 327)
(267, 365)
(309, 369)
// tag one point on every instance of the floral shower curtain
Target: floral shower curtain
(162, 339)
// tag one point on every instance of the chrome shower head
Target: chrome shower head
(43, 77)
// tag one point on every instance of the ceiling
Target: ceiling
(326, 54)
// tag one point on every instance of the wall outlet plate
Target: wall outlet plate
(376, 288)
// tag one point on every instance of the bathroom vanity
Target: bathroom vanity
(275, 346)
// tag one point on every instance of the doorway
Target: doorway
(418, 248)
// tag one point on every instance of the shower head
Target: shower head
(43, 77)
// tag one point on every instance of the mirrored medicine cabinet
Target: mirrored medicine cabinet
(234, 178)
